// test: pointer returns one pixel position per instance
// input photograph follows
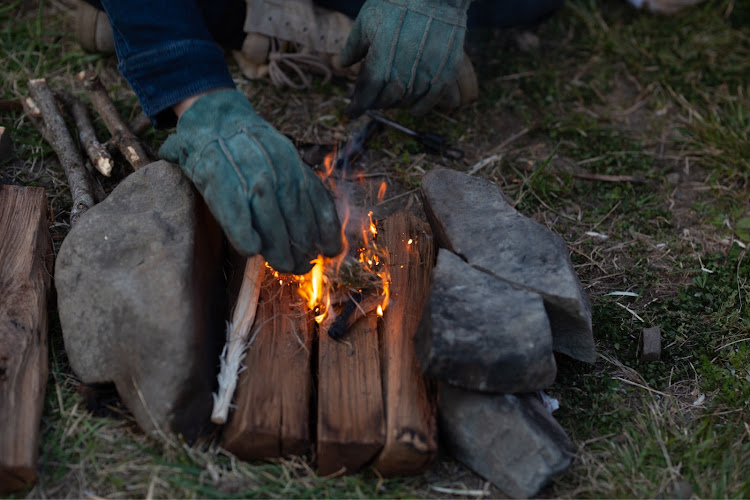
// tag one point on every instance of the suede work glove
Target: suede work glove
(411, 50)
(254, 182)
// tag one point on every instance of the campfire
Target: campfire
(343, 311)
(341, 364)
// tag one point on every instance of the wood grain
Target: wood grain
(351, 423)
(410, 399)
(272, 418)
(25, 272)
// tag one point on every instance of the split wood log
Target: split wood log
(96, 152)
(6, 144)
(122, 136)
(351, 423)
(25, 271)
(238, 337)
(410, 398)
(56, 133)
(272, 418)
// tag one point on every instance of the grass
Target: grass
(664, 101)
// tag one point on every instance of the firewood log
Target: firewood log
(25, 271)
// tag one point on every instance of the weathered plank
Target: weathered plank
(273, 394)
(25, 271)
(351, 424)
(410, 399)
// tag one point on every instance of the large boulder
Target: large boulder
(480, 333)
(471, 217)
(141, 298)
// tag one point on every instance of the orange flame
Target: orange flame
(328, 163)
(381, 191)
(315, 286)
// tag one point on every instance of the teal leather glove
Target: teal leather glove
(411, 50)
(254, 182)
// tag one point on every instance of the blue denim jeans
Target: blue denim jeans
(168, 50)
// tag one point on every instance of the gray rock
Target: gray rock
(471, 217)
(478, 332)
(141, 298)
(651, 344)
(512, 441)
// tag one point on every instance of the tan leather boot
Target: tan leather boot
(93, 31)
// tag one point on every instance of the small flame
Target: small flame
(381, 191)
(410, 241)
(328, 163)
(386, 292)
(314, 289)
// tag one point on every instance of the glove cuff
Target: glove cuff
(214, 108)
(448, 11)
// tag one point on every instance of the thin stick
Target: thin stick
(122, 136)
(237, 337)
(56, 133)
(96, 152)
(609, 178)
(355, 309)
(140, 124)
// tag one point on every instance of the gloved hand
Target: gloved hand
(411, 50)
(254, 182)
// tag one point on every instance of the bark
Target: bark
(97, 153)
(56, 133)
(122, 136)
(140, 124)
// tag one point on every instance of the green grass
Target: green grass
(610, 92)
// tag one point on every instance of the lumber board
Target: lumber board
(25, 271)
(351, 423)
(272, 415)
(410, 398)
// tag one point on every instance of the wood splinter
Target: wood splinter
(53, 129)
(122, 136)
(238, 332)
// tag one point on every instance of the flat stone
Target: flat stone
(510, 440)
(480, 333)
(141, 299)
(471, 217)
(651, 344)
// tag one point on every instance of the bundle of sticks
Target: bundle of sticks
(43, 107)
